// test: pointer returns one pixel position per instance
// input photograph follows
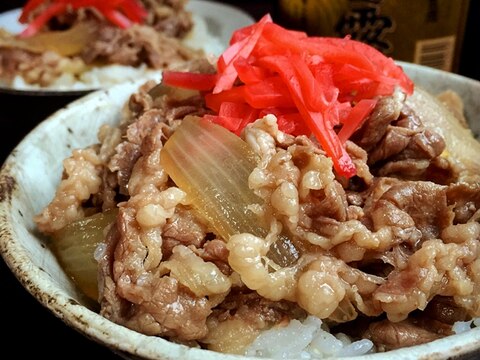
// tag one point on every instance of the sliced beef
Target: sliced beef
(465, 199)
(135, 46)
(255, 309)
(395, 140)
(422, 204)
(183, 228)
(426, 144)
(410, 169)
(399, 145)
(122, 163)
(169, 17)
(387, 110)
(140, 298)
(444, 310)
(389, 335)
(34, 68)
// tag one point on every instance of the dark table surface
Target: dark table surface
(30, 330)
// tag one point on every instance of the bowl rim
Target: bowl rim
(119, 338)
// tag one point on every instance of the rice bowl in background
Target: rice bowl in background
(28, 181)
(211, 22)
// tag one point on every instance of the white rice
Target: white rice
(95, 78)
(309, 339)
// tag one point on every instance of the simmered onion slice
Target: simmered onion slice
(212, 166)
(75, 245)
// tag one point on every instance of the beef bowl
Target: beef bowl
(37, 246)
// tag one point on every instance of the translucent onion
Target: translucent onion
(75, 245)
(231, 336)
(66, 43)
(212, 166)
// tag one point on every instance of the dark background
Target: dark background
(29, 330)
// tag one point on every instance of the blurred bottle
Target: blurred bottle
(427, 32)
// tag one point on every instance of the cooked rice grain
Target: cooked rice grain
(309, 339)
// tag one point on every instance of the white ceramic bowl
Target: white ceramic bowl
(27, 183)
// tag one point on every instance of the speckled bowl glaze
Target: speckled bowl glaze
(27, 183)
